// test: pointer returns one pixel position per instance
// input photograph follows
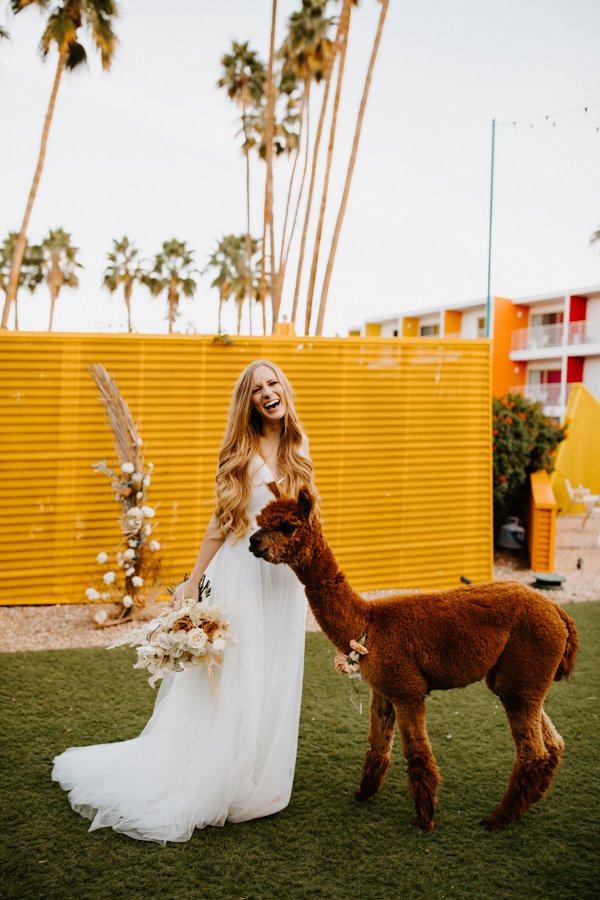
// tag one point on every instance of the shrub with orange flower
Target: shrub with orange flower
(525, 440)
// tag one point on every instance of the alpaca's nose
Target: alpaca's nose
(254, 541)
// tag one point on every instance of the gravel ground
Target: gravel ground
(72, 625)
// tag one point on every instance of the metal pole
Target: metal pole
(488, 305)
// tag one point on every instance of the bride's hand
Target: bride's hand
(187, 590)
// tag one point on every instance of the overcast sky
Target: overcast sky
(149, 150)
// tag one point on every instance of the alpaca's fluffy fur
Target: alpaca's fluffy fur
(504, 632)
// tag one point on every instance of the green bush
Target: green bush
(524, 441)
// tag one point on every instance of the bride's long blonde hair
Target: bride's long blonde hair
(241, 445)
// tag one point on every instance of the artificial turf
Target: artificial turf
(324, 844)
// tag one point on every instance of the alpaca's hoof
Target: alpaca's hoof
(423, 824)
(363, 794)
(493, 823)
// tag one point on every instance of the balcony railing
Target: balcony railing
(542, 336)
(547, 394)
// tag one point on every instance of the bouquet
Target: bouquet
(191, 633)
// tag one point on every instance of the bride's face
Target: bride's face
(267, 395)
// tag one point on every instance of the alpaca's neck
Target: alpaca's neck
(340, 612)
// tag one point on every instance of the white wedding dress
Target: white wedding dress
(203, 761)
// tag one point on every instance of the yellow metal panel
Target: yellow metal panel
(400, 433)
(542, 523)
(578, 457)
(372, 329)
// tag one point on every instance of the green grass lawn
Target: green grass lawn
(324, 844)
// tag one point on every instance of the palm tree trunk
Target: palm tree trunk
(220, 310)
(16, 312)
(248, 238)
(239, 317)
(344, 201)
(292, 176)
(285, 254)
(345, 24)
(173, 299)
(313, 173)
(127, 290)
(13, 281)
(270, 125)
(53, 299)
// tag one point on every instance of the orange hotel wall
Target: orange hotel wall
(506, 320)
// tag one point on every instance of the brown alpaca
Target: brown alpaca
(504, 632)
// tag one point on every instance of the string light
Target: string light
(549, 120)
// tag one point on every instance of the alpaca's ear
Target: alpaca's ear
(305, 502)
(274, 488)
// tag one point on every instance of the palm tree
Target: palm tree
(315, 155)
(62, 27)
(30, 274)
(243, 78)
(343, 46)
(349, 173)
(59, 265)
(228, 261)
(595, 237)
(123, 269)
(174, 272)
(306, 52)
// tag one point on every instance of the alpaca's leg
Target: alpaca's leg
(534, 764)
(552, 739)
(423, 773)
(381, 737)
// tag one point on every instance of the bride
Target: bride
(201, 761)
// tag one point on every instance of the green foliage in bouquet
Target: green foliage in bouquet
(524, 441)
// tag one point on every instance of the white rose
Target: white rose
(130, 571)
(102, 558)
(164, 641)
(139, 441)
(129, 553)
(101, 616)
(154, 545)
(127, 601)
(137, 581)
(147, 481)
(133, 519)
(196, 639)
(179, 637)
(218, 645)
(139, 495)
(128, 468)
(148, 512)
(137, 477)
(92, 594)
(106, 596)
(147, 530)
(108, 578)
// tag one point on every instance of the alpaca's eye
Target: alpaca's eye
(287, 528)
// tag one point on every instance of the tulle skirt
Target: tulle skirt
(205, 759)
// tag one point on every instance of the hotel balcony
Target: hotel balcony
(549, 395)
(552, 341)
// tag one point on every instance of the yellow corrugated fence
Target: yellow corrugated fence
(578, 457)
(399, 431)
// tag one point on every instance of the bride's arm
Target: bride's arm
(211, 544)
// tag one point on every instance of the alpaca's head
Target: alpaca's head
(284, 528)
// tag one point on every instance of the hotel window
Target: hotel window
(429, 330)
